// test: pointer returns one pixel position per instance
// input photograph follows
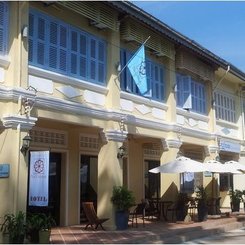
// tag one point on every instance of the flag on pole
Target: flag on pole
(137, 68)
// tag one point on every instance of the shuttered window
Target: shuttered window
(225, 106)
(62, 48)
(154, 73)
(191, 94)
(4, 14)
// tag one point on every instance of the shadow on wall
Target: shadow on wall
(171, 193)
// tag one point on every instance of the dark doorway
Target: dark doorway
(152, 181)
(53, 207)
(88, 181)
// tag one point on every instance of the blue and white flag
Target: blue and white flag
(137, 68)
(39, 178)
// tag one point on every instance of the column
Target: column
(110, 173)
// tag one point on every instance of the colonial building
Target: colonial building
(64, 82)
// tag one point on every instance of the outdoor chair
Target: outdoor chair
(152, 209)
(88, 208)
(139, 211)
(171, 208)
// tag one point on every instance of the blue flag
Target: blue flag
(137, 68)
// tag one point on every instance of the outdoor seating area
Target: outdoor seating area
(154, 231)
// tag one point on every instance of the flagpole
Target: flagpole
(131, 58)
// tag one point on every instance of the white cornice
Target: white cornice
(14, 121)
(116, 135)
(190, 114)
(70, 107)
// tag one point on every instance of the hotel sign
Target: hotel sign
(229, 146)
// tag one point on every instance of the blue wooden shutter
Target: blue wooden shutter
(187, 98)
(101, 62)
(74, 53)
(31, 36)
(58, 46)
(3, 26)
(179, 84)
(53, 43)
(83, 56)
(41, 33)
(93, 65)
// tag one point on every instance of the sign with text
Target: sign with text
(4, 170)
(230, 146)
(39, 178)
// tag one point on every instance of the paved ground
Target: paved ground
(232, 237)
(153, 232)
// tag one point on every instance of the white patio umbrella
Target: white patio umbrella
(180, 165)
(217, 167)
(236, 165)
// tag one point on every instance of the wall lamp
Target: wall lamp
(25, 144)
(121, 152)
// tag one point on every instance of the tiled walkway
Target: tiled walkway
(153, 232)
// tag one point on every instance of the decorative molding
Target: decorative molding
(213, 149)
(143, 109)
(143, 100)
(69, 91)
(14, 121)
(173, 143)
(67, 80)
(41, 84)
(116, 135)
(94, 98)
(190, 114)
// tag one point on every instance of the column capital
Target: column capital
(22, 121)
(116, 135)
(171, 143)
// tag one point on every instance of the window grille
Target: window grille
(89, 142)
(62, 48)
(48, 138)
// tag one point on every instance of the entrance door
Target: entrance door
(152, 181)
(53, 207)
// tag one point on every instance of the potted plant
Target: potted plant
(123, 199)
(202, 208)
(182, 206)
(45, 229)
(235, 198)
(15, 226)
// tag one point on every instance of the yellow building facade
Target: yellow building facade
(64, 82)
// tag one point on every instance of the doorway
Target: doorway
(152, 181)
(53, 207)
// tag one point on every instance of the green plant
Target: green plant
(201, 195)
(236, 196)
(47, 222)
(15, 226)
(122, 198)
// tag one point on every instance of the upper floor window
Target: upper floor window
(60, 47)
(191, 94)
(4, 13)
(154, 74)
(225, 107)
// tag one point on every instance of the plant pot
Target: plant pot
(235, 206)
(202, 212)
(181, 212)
(121, 219)
(44, 236)
(18, 239)
(5, 238)
(34, 236)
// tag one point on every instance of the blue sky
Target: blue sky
(218, 26)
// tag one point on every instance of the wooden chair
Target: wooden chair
(137, 212)
(88, 208)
